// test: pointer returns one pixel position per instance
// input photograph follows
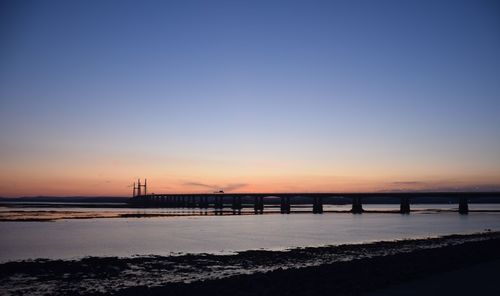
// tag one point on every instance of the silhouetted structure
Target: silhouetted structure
(357, 206)
(405, 205)
(258, 205)
(237, 201)
(137, 190)
(317, 205)
(463, 206)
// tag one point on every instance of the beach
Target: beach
(352, 269)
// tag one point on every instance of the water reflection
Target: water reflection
(201, 231)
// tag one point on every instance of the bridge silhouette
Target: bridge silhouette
(235, 201)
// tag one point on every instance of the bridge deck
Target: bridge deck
(337, 194)
(219, 200)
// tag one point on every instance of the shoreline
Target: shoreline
(375, 276)
(257, 272)
(357, 277)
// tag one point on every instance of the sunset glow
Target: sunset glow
(306, 99)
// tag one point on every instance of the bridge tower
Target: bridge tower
(139, 187)
(138, 191)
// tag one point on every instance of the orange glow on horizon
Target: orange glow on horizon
(58, 186)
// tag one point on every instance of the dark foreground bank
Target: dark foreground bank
(382, 275)
(331, 270)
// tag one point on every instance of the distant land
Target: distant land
(75, 199)
(332, 200)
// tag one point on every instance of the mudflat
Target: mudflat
(477, 279)
(330, 270)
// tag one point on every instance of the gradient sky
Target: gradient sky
(248, 96)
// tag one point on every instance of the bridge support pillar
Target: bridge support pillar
(317, 205)
(204, 202)
(404, 208)
(285, 205)
(463, 206)
(218, 204)
(258, 206)
(357, 206)
(236, 206)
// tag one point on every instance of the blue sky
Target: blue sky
(334, 95)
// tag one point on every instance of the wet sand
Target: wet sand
(338, 270)
(15, 215)
(478, 279)
(473, 263)
(51, 216)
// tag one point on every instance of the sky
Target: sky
(248, 96)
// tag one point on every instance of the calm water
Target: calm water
(83, 207)
(214, 234)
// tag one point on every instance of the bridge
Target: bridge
(236, 201)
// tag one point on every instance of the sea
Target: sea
(198, 231)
